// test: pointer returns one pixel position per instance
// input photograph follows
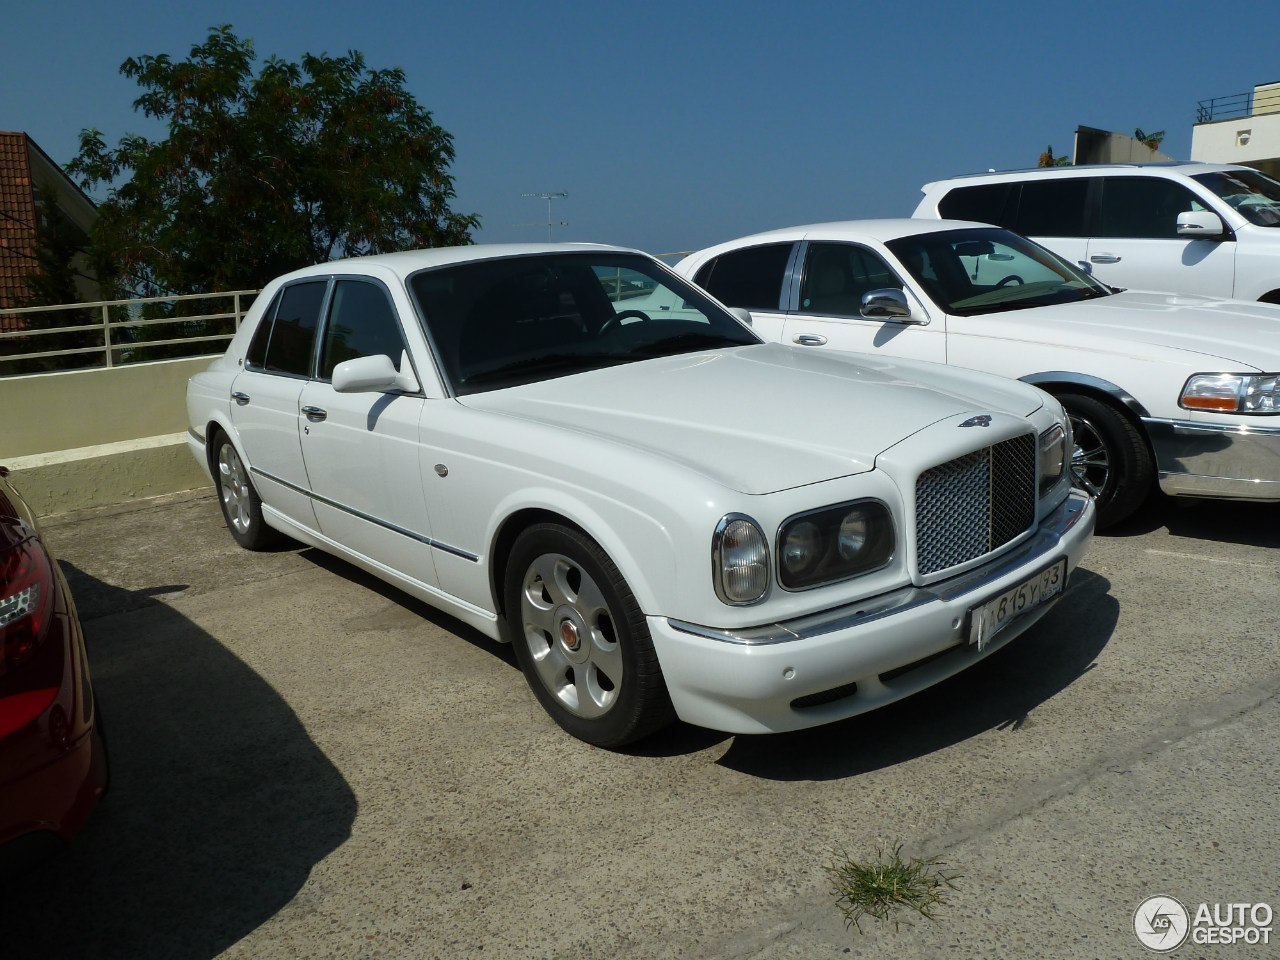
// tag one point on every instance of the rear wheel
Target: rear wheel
(241, 506)
(581, 639)
(1110, 460)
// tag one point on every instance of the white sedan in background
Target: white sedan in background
(1179, 390)
(667, 516)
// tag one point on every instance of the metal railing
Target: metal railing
(121, 330)
(1238, 105)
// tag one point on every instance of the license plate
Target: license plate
(990, 618)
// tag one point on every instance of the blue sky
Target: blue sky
(676, 125)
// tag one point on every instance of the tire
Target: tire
(1110, 459)
(581, 640)
(241, 505)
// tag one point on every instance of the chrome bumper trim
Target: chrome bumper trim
(1046, 540)
(1231, 461)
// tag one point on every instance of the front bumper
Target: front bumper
(1228, 461)
(802, 672)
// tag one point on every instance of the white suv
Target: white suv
(1205, 228)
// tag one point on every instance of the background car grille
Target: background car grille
(974, 504)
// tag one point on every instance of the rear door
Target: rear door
(752, 278)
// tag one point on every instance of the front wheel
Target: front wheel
(581, 638)
(1110, 460)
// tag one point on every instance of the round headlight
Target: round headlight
(741, 557)
(802, 548)
(852, 538)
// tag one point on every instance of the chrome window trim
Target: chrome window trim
(385, 524)
(1044, 541)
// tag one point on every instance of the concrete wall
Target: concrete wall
(1253, 141)
(92, 437)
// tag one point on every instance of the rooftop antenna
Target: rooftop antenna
(559, 195)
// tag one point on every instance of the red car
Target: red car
(53, 760)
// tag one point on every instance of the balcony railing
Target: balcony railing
(1238, 105)
(108, 333)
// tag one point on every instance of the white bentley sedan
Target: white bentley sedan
(572, 449)
(1179, 390)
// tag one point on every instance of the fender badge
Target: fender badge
(982, 420)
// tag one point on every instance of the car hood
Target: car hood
(1246, 335)
(760, 418)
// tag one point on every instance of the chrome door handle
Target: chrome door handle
(315, 414)
(1105, 258)
(240, 398)
(810, 340)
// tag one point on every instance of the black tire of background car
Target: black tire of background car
(259, 536)
(1132, 466)
(643, 706)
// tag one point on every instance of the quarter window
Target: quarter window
(750, 278)
(362, 323)
(293, 334)
(256, 358)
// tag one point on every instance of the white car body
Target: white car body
(1133, 351)
(427, 486)
(1124, 223)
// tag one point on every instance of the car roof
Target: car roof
(1182, 167)
(874, 230)
(406, 262)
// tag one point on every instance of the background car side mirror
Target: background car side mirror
(1200, 223)
(888, 303)
(374, 374)
(741, 313)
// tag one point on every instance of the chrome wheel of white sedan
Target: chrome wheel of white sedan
(241, 507)
(581, 639)
(1111, 460)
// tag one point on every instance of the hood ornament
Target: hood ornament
(982, 420)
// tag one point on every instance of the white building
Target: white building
(1244, 129)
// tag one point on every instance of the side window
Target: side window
(838, 275)
(256, 357)
(1143, 207)
(750, 278)
(986, 203)
(1052, 208)
(293, 334)
(362, 323)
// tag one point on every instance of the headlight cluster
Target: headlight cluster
(1053, 457)
(1232, 393)
(813, 548)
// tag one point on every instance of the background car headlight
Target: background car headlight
(1053, 457)
(1232, 393)
(740, 556)
(834, 543)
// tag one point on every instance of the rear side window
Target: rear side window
(256, 358)
(750, 278)
(1051, 208)
(362, 323)
(986, 203)
(293, 335)
(1144, 207)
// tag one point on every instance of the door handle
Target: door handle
(315, 414)
(1105, 258)
(240, 398)
(810, 340)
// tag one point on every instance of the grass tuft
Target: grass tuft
(877, 889)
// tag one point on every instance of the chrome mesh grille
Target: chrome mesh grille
(974, 504)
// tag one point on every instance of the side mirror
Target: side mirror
(888, 303)
(1200, 223)
(374, 374)
(742, 314)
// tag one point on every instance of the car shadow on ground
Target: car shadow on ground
(997, 693)
(220, 803)
(1247, 523)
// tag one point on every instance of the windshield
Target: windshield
(987, 270)
(1253, 195)
(499, 323)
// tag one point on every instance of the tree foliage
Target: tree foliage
(265, 172)
(1151, 140)
(1047, 159)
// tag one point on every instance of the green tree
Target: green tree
(1047, 159)
(265, 172)
(1151, 140)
